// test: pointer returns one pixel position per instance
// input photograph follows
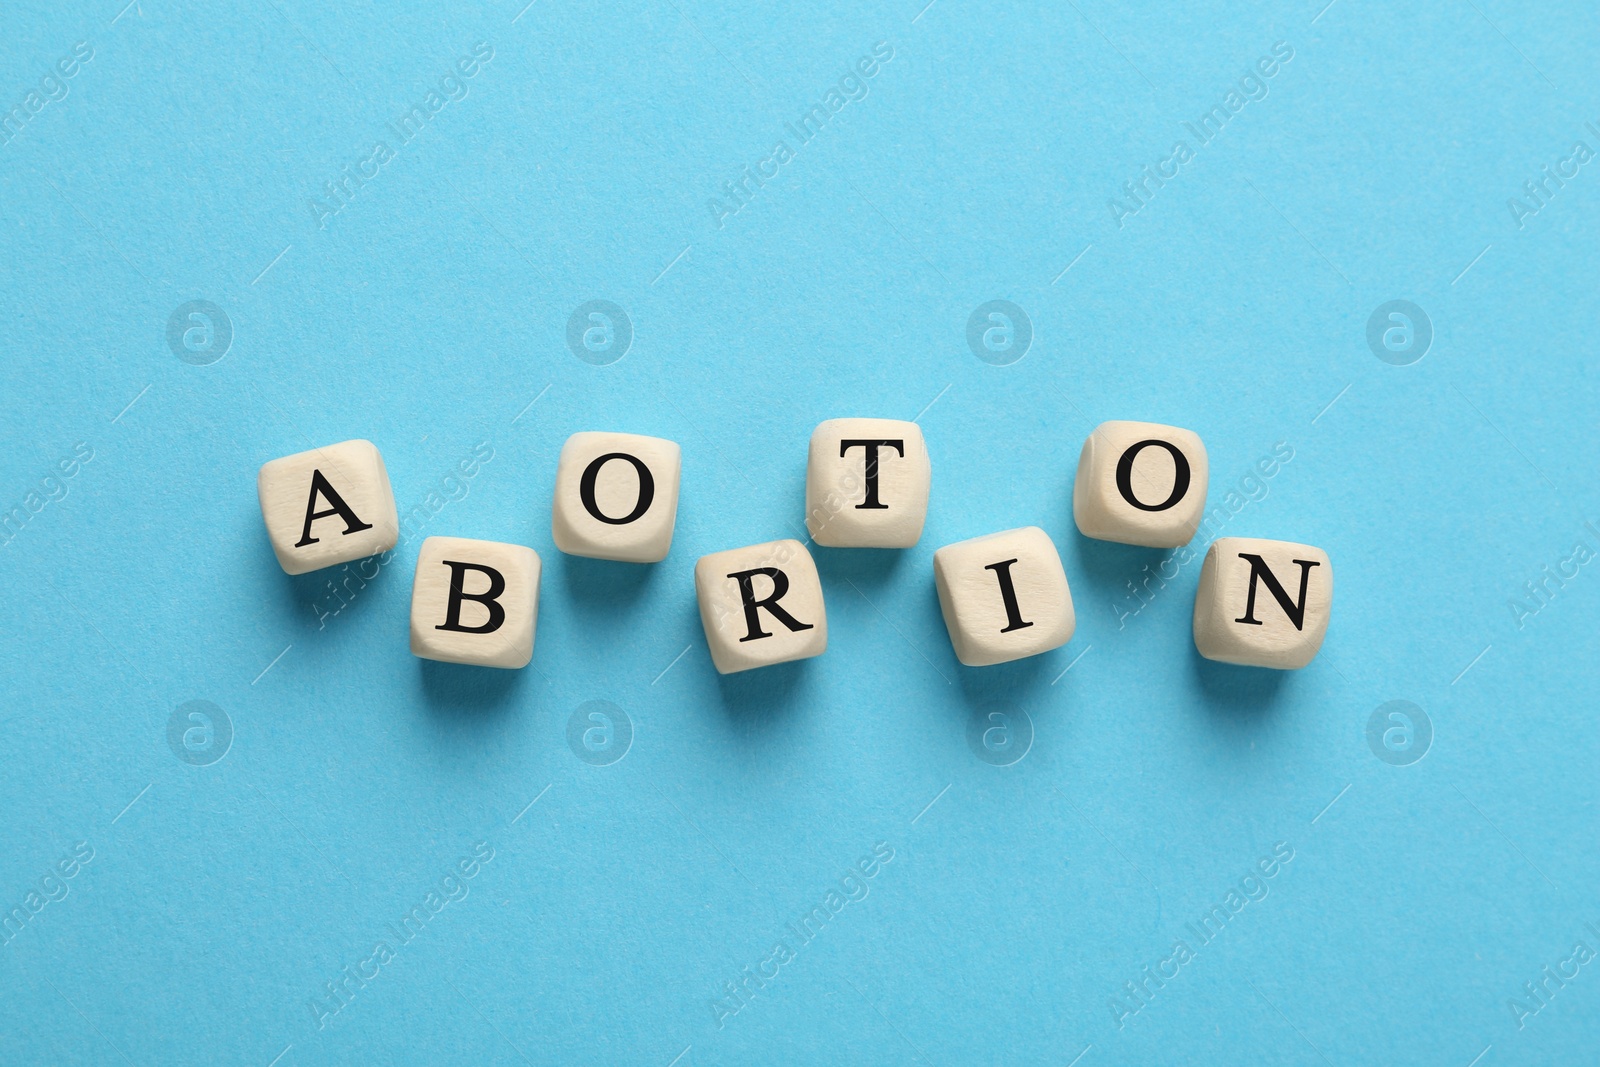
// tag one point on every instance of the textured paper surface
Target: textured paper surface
(431, 310)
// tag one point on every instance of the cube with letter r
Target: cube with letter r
(761, 605)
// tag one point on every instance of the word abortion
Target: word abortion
(1004, 596)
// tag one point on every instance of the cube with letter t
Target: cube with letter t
(867, 483)
(475, 602)
(328, 506)
(1262, 603)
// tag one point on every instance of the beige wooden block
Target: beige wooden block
(1262, 603)
(327, 506)
(1004, 596)
(1141, 483)
(616, 496)
(475, 602)
(761, 605)
(867, 483)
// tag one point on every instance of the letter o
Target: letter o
(647, 488)
(1180, 480)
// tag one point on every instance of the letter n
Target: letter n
(1295, 609)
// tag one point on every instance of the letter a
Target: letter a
(336, 506)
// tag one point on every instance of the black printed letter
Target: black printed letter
(647, 488)
(1258, 569)
(747, 594)
(452, 614)
(336, 506)
(871, 502)
(1008, 593)
(1180, 477)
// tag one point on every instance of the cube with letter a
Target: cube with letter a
(327, 506)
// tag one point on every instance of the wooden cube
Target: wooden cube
(327, 506)
(616, 496)
(867, 483)
(1262, 603)
(1004, 596)
(1140, 483)
(761, 605)
(475, 602)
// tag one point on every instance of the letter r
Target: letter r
(752, 604)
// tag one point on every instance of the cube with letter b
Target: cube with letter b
(1262, 603)
(474, 602)
(328, 506)
(761, 605)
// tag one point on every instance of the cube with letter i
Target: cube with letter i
(475, 602)
(328, 506)
(1262, 603)
(1004, 596)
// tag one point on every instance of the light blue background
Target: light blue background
(431, 311)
